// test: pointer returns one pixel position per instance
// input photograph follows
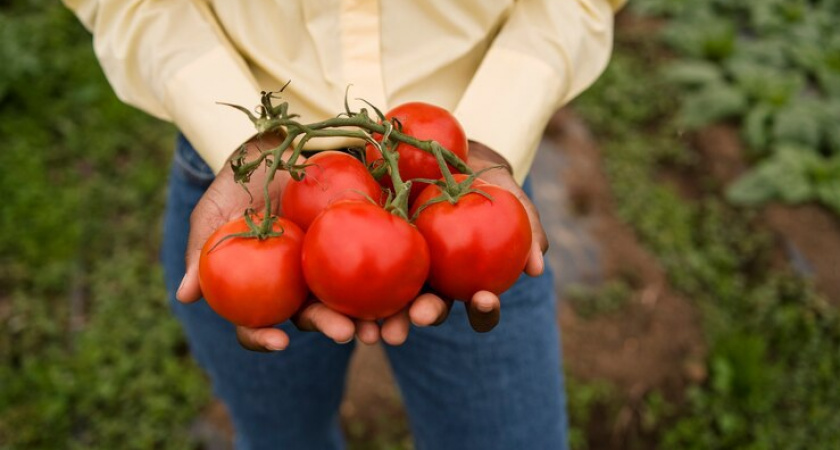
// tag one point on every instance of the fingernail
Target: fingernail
(344, 342)
(540, 258)
(275, 343)
(484, 307)
(180, 286)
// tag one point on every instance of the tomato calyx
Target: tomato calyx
(452, 193)
(451, 190)
(262, 231)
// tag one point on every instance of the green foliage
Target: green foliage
(589, 404)
(593, 301)
(794, 175)
(774, 67)
(711, 103)
(772, 386)
(90, 356)
(774, 343)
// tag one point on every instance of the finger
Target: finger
(484, 311)
(505, 179)
(536, 263)
(189, 290)
(367, 331)
(395, 328)
(262, 339)
(203, 222)
(319, 317)
(429, 310)
(538, 235)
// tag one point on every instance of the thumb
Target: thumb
(189, 291)
(203, 222)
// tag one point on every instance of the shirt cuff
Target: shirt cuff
(508, 103)
(215, 131)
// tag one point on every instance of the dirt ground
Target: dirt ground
(808, 234)
(654, 342)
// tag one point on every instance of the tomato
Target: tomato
(363, 261)
(331, 176)
(253, 282)
(475, 244)
(424, 122)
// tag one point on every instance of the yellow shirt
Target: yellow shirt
(502, 66)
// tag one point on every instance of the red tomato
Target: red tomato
(253, 282)
(424, 122)
(362, 261)
(332, 176)
(476, 244)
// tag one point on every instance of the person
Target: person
(502, 67)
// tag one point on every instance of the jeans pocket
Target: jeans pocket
(189, 164)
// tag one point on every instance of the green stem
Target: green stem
(399, 205)
(357, 125)
(265, 227)
(444, 168)
(332, 128)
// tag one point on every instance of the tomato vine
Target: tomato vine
(276, 118)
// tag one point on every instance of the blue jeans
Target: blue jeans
(462, 390)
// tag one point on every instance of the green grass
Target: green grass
(90, 356)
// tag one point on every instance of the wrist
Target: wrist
(261, 142)
(482, 156)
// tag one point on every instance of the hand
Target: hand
(481, 157)
(425, 310)
(224, 201)
(483, 308)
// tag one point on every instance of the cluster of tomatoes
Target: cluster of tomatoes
(337, 242)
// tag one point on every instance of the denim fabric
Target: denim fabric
(462, 390)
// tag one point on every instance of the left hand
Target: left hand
(484, 308)
(481, 157)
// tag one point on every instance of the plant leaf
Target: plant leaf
(714, 102)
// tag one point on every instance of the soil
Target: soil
(655, 342)
(370, 382)
(812, 237)
(653, 339)
(808, 234)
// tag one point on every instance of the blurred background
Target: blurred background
(692, 197)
